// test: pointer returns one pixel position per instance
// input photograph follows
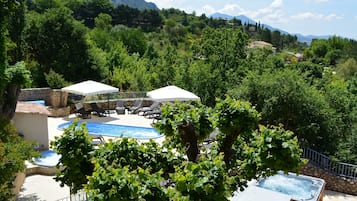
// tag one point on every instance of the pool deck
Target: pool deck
(40, 187)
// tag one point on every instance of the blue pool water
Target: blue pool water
(40, 102)
(298, 187)
(48, 158)
(115, 130)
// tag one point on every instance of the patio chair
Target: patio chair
(152, 113)
(120, 108)
(99, 111)
(156, 119)
(81, 112)
(137, 104)
(152, 107)
(97, 139)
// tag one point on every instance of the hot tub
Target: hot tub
(283, 187)
(48, 158)
(299, 187)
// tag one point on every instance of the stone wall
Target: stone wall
(333, 182)
(35, 94)
(55, 99)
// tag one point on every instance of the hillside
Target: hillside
(139, 4)
(245, 19)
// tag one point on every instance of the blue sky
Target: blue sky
(308, 17)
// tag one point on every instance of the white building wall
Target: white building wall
(34, 127)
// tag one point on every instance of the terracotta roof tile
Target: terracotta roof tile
(31, 108)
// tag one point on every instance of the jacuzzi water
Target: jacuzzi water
(116, 130)
(298, 187)
(48, 158)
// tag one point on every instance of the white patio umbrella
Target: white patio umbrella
(90, 88)
(171, 93)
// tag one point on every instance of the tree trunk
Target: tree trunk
(227, 146)
(189, 138)
(9, 102)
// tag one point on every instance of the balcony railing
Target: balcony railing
(337, 168)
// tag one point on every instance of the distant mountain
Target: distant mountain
(139, 4)
(307, 39)
(242, 18)
(245, 19)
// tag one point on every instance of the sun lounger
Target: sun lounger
(120, 108)
(81, 112)
(152, 113)
(97, 139)
(99, 111)
(152, 107)
(137, 104)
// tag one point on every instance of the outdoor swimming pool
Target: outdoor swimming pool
(298, 187)
(115, 130)
(48, 158)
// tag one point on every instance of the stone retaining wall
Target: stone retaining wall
(333, 182)
(34, 170)
(55, 99)
(35, 94)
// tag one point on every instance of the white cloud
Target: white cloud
(317, 1)
(316, 16)
(231, 9)
(207, 9)
(163, 3)
(271, 13)
(276, 4)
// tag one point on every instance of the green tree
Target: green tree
(284, 97)
(185, 125)
(347, 69)
(224, 51)
(13, 149)
(13, 152)
(76, 149)
(127, 170)
(276, 39)
(234, 119)
(55, 80)
(134, 40)
(11, 77)
(59, 42)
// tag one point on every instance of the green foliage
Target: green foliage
(125, 169)
(18, 74)
(13, 153)
(59, 42)
(234, 118)
(134, 40)
(185, 125)
(205, 180)
(55, 80)
(283, 97)
(111, 184)
(276, 148)
(329, 51)
(128, 152)
(347, 69)
(75, 148)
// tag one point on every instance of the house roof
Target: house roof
(259, 44)
(31, 108)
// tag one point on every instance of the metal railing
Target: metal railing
(338, 168)
(80, 196)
